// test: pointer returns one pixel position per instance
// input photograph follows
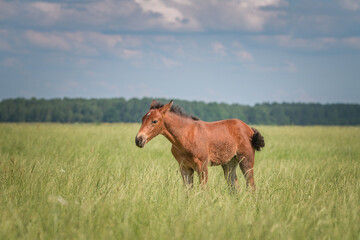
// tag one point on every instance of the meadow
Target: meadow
(90, 181)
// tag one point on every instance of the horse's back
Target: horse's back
(226, 139)
(233, 127)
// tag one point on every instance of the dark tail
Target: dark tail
(257, 140)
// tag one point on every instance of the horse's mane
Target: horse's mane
(175, 109)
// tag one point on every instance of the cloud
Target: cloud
(109, 7)
(352, 41)
(165, 16)
(127, 53)
(219, 48)
(241, 54)
(105, 14)
(244, 56)
(322, 43)
(203, 15)
(238, 15)
(235, 49)
(170, 62)
(352, 5)
(36, 14)
(48, 40)
(288, 41)
(184, 2)
(84, 43)
(52, 11)
(7, 9)
(237, 44)
(174, 15)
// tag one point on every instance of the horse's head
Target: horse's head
(152, 123)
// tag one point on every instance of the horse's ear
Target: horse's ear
(153, 103)
(166, 107)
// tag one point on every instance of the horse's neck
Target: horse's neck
(175, 127)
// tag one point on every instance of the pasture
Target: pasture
(90, 181)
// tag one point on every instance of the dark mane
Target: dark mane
(177, 110)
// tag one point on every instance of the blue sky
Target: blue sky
(240, 51)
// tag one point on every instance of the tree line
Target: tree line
(70, 110)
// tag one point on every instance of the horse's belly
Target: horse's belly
(221, 153)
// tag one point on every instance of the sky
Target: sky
(232, 51)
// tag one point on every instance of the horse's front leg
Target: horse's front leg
(203, 176)
(202, 170)
(187, 175)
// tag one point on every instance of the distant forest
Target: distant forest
(68, 110)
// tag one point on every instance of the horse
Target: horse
(197, 144)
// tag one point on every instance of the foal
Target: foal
(196, 144)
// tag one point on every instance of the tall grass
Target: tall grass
(88, 181)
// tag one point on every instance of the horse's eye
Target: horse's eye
(154, 122)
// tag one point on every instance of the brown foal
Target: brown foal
(196, 144)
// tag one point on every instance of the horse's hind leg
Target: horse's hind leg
(246, 163)
(187, 175)
(230, 172)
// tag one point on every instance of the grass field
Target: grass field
(87, 181)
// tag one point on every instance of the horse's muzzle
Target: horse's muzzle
(140, 141)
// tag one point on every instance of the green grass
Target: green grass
(87, 181)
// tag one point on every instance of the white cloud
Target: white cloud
(170, 62)
(108, 9)
(237, 44)
(52, 11)
(175, 15)
(236, 49)
(83, 43)
(352, 41)
(43, 14)
(237, 15)
(7, 9)
(109, 40)
(48, 40)
(104, 14)
(184, 2)
(127, 53)
(352, 5)
(165, 16)
(219, 48)
(170, 15)
(244, 56)
(288, 41)
(241, 54)
(83, 61)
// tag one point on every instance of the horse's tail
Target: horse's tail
(257, 140)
